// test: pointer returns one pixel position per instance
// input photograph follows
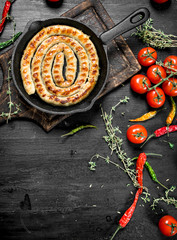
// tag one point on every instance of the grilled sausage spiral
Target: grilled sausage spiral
(43, 67)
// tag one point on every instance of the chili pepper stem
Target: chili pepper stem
(150, 136)
(162, 185)
(154, 154)
(118, 228)
(149, 154)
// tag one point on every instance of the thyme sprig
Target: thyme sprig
(146, 197)
(107, 159)
(155, 37)
(167, 199)
(14, 36)
(115, 143)
(11, 104)
(92, 165)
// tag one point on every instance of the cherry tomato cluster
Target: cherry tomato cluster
(156, 75)
(158, 82)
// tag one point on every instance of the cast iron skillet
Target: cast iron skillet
(130, 22)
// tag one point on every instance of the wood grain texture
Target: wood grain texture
(68, 201)
(122, 62)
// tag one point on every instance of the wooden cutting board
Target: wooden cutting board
(123, 64)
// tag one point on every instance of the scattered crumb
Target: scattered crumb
(102, 186)
(167, 180)
(90, 186)
(131, 192)
(93, 205)
(118, 212)
(141, 205)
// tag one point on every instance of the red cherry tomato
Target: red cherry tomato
(170, 64)
(155, 98)
(139, 83)
(147, 56)
(156, 73)
(137, 134)
(160, 1)
(168, 225)
(170, 87)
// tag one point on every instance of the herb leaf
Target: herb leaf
(11, 105)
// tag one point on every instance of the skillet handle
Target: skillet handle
(133, 20)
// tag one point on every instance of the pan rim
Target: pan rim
(57, 111)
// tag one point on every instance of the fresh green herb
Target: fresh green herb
(153, 37)
(171, 145)
(11, 105)
(168, 200)
(124, 100)
(75, 130)
(115, 144)
(147, 197)
(92, 166)
(106, 159)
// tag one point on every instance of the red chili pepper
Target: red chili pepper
(127, 215)
(162, 131)
(139, 170)
(5, 13)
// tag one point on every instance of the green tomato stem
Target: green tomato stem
(163, 80)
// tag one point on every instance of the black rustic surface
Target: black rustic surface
(47, 190)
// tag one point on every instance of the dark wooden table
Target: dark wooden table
(64, 199)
